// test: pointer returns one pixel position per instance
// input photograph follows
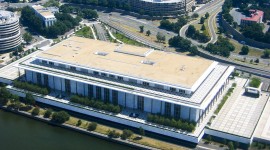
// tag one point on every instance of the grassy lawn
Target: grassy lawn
(103, 129)
(126, 40)
(85, 32)
(252, 51)
(152, 36)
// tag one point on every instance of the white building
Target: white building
(161, 7)
(137, 78)
(10, 34)
(46, 14)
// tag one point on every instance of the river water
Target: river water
(18, 132)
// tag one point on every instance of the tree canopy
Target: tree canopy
(60, 117)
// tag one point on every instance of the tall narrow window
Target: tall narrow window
(106, 95)
(98, 93)
(90, 91)
(67, 86)
(177, 111)
(140, 103)
(115, 97)
(46, 80)
(167, 109)
(39, 82)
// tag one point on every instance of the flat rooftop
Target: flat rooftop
(47, 14)
(240, 114)
(138, 62)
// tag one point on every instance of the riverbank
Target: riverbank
(78, 129)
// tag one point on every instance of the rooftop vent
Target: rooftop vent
(101, 53)
(147, 62)
(183, 68)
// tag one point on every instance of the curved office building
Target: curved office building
(162, 7)
(10, 35)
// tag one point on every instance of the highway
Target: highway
(101, 33)
(131, 35)
(215, 8)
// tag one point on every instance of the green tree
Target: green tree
(4, 96)
(113, 134)
(203, 27)
(29, 99)
(60, 117)
(126, 134)
(244, 50)
(266, 53)
(148, 32)
(48, 113)
(27, 37)
(206, 15)
(35, 111)
(141, 29)
(257, 60)
(235, 24)
(236, 145)
(79, 122)
(230, 145)
(191, 31)
(193, 50)
(160, 37)
(209, 138)
(92, 126)
(195, 15)
(141, 131)
(202, 20)
(193, 8)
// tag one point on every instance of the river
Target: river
(18, 132)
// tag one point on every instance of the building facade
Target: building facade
(46, 14)
(161, 7)
(10, 34)
(136, 78)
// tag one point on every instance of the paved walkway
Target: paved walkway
(262, 132)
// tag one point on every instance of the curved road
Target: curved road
(215, 7)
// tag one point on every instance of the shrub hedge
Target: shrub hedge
(224, 99)
(95, 104)
(31, 87)
(171, 122)
(255, 82)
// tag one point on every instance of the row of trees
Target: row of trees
(255, 31)
(95, 104)
(31, 87)
(222, 47)
(64, 23)
(171, 122)
(171, 26)
(82, 12)
(183, 45)
(197, 35)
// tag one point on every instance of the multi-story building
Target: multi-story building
(256, 16)
(10, 34)
(137, 78)
(46, 14)
(161, 7)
